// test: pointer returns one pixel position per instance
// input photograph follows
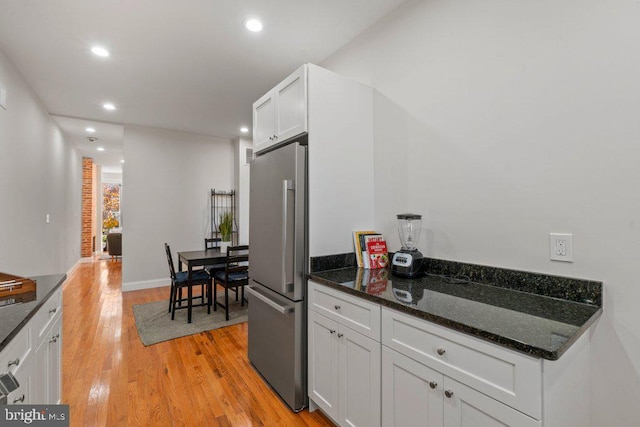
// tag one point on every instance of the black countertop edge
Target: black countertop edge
(48, 284)
(469, 330)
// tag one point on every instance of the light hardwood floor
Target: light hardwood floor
(110, 378)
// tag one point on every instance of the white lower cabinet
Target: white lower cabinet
(372, 366)
(48, 360)
(34, 356)
(344, 372)
(415, 395)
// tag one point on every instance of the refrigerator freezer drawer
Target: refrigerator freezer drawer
(277, 347)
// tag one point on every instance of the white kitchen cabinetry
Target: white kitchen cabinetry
(34, 356)
(416, 395)
(434, 375)
(344, 365)
(333, 115)
(281, 113)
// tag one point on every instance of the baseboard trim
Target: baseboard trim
(74, 267)
(86, 259)
(145, 284)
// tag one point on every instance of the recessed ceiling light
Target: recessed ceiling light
(244, 129)
(100, 51)
(109, 106)
(90, 130)
(100, 148)
(253, 25)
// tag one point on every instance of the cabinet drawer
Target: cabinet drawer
(510, 377)
(47, 314)
(15, 354)
(358, 314)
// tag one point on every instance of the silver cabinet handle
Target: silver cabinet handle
(13, 362)
(340, 335)
(332, 331)
(337, 307)
(441, 351)
(54, 338)
(448, 393)
(269, 302)
(53, 310)
(19, 399)
(433, 384)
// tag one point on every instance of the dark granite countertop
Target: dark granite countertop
(526, 321)
(13, 317)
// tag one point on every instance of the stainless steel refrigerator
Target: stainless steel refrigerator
(277, 271)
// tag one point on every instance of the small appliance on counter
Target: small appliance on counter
(407, 262)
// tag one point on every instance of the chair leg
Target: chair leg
(170, 297)
(226, 302)
(175, 295)
(189, 302)
(215, 296)
(209, 297)
(242, 298)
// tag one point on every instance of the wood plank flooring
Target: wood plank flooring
(110, 378)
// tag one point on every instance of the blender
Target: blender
(407, 262)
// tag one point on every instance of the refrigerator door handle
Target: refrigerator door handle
(287, 185)
(268, 301)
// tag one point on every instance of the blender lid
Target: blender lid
(409, 216)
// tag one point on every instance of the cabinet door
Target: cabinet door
(47, 367)
(54, 359)
(359, 379)
(411, 392)
(291, 113)
(466, 407)
(323, 363)
(264, 121)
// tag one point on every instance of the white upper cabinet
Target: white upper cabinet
(281, 114)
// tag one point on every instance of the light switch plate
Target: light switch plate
(3, 97)
(561, 247)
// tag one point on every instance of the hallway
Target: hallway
(110, 378)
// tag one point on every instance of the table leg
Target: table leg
(189, 295)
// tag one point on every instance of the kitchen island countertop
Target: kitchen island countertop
(538, 325)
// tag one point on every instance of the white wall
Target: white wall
(241, 185)
(39, 174)
(501, 121)
(168, 178)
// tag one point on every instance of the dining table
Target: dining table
(199, 258)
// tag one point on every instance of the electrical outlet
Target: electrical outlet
(561, 247)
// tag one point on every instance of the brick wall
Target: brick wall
(88, 208)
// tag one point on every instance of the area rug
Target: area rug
(155, 325)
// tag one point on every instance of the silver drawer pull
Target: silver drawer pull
(433, 384)
(19, 399)
(54, 338)
(332, 331)
(441, 351)
(53, 310)
(340, 335)
(337, 307)
(13, 362)
(448, 393)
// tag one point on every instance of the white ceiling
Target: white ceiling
(186, 65)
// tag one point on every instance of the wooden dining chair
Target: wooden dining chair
(180, 280)
(234, 276)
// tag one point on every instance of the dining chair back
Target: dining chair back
(235, 275)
